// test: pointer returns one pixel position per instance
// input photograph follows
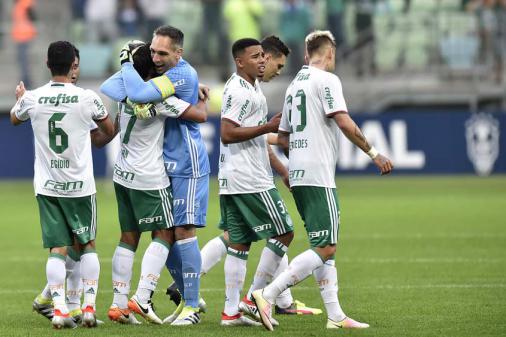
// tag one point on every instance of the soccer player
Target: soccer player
(43, 303)
(186, 161)
(276, 53)
(144, 198)
(313, 113)
(251, 207)
(61, 115)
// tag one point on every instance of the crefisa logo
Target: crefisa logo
(482, 136)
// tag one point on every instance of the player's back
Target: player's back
(185, 153)
(61, 115)
(311, 100)
(139, 164)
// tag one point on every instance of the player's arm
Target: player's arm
(196, 113)
(20, 112)
(100, 116)
(114, 88)
(232, 132)
(278, 166)
(155, 90)
(355, 135)
(283, 141)
(100, 137)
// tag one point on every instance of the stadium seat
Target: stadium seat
(95, 59)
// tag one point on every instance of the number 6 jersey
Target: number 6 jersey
(311, 100)
(61, 115)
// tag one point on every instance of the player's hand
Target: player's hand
(203, 92)
(384, 164)
(129, 50)
(273, 123)
(143, 111)
(20, 90)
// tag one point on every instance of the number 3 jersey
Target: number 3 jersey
(61, 115)
(312, 99)
(244, 166)
(140, 163)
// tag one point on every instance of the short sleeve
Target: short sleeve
(284, 124)
(24, 106)
(96, 106)
(236, 104)
(172, 107)
(331, 96)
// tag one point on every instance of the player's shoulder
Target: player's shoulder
(183, 71)
(238, 86)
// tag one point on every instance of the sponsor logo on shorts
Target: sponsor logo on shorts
(262, 228)
(178, 202)
(150, 220)
(80, 230)
(317, 234)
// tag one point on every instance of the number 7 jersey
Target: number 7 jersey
(312, 99)
(61, 115)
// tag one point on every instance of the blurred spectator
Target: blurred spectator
(129, 18)
(213, 35)
(243, 19)
(78, 19)
(295, 24)
(500, 40)
(365, 44)
(155, 15)
(101, 20)
(487, 24)
(23, 32)
(335, 22)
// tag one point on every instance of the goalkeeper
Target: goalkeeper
(184, 154)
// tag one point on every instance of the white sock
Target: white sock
(122, 262)
(267, 266)
(152, 264)
(213, 251)
(285, 299)
(235, 273)
(74, 283)
(90, 271)
(46, 292)
(55, 272)
(326, 277)
(301, 267)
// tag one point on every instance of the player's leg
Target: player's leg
(190, 208)
(319, 209)
(81, 214)
(212, 253)
(74, 283)
(269, 218)
(153, 211)
(245, 216)
(56, 235)
(285, 303)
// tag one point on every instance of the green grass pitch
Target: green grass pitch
(417, 256)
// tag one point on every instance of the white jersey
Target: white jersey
(140, 164)
(311, 100)
(61, 115)
(244, 167)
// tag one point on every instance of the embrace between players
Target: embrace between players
(161, 180)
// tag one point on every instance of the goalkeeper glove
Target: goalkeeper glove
(128, 51)
(143, 110)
